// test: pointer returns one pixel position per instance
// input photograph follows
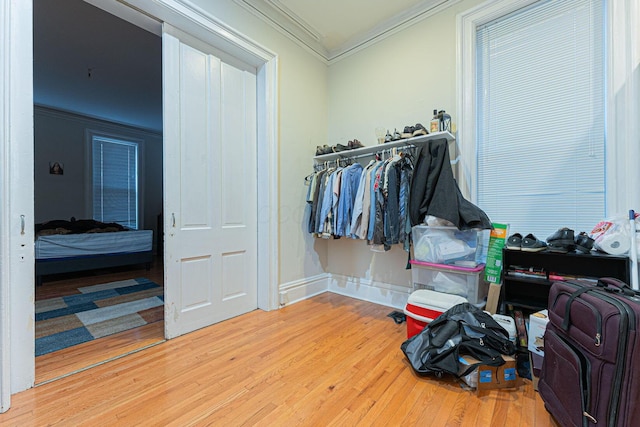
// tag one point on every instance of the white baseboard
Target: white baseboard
(302, 289)
(355, 287)
(365, 289)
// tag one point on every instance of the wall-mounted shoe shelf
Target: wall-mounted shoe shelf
(371, 150)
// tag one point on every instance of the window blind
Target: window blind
(541, 117)
(115, 181)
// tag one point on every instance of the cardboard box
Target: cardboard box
(491, 377)
(537, 326)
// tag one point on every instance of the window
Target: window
(540, 117)
(115, 180)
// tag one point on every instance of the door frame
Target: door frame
(17, 362)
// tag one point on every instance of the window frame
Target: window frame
(622, 100)
(90, 134)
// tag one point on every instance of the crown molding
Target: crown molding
(389, 27)
(297, 29)
(288, 24)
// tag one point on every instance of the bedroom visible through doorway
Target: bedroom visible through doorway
(96, 75)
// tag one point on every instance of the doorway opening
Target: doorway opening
(99, 239)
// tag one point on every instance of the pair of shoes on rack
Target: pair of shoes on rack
(528, 243)
(325, 149)
(411, 131)
(562, 241)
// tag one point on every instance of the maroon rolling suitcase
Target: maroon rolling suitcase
(591, 370)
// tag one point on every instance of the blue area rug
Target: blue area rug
(95, 312)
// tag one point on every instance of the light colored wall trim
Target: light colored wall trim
(623, 97)
(298, 30)
(466, 24)
(300, 34)
(17, 198)
(185, 15)
(5, 343)
(299, 290)
(355, 287)
(367, 290)
(623, 106)
(268, 197)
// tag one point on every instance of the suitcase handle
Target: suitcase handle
(615, 285)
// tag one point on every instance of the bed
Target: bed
(79, 245)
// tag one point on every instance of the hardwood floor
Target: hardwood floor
(328, 360)
(72, 359)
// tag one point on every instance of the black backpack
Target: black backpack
(462, 330)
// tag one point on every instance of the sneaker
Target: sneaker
(584, 243)
(339, 147)
(407, 132)
(514, 242)
(530, 243)
(388, 137)
(396, 135)
(419, 130)
(563, 236)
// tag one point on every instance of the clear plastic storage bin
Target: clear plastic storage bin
(448, 245)
(465, 282)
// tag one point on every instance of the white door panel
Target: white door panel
(210, 188)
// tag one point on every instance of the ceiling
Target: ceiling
(89, 61)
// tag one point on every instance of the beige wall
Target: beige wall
(394, 83)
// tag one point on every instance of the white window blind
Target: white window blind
(540, 117)
(115, 181)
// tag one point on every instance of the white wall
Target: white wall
(60, 137)
(302, 98)
(395, 83)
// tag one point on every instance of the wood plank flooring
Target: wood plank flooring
(326, 361)
(72, 359)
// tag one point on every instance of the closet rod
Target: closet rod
(359, 156)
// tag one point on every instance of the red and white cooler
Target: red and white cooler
(424, 306)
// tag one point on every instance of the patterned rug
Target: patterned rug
(95, 312)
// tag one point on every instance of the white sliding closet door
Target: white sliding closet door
(210, 206)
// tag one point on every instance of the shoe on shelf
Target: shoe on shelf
(355, 144)
(514, 242)
(325, 149)
(396, 135)
(563, 236)
(584, 243)
(560, 248)
(407, 132)
(418, 130)
(339, 147)
(530, 243)
(388, 137)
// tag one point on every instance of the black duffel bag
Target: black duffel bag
(462, 330)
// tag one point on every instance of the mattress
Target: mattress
(89, 244)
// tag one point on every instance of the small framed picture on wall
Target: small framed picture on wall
(56, 168)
